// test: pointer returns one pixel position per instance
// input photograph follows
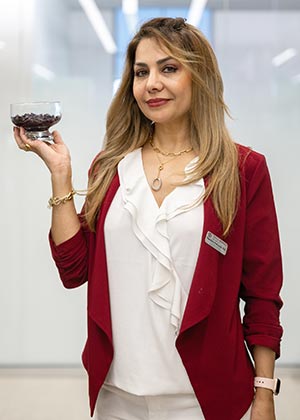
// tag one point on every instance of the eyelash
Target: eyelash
(142, 73)
(173, 69)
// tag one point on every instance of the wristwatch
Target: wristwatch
(272, 384)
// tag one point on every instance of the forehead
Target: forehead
(149, 49)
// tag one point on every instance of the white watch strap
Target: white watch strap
(272, 384)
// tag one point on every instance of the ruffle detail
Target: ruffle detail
(150, 225)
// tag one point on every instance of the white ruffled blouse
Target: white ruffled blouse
(151, 257)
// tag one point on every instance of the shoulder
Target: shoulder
(250, 161)
(254, 173)
(248, 156)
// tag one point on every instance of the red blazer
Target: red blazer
(211, 339)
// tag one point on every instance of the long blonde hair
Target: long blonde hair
(127, 128)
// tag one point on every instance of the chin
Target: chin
(160, 119)
(166, 121)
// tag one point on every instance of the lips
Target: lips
(153, 103)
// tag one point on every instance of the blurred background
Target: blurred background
(73, 51)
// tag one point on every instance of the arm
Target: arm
(65, 222)
(261, 283)
(263, 405)
(56, 156)
(262, 266)
(67, 239)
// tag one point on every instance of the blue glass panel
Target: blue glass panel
(205, 24)
(146, 13)
(122, 35)
(176, 12)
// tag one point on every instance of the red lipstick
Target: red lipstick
(153, 103)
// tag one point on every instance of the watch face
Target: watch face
(277, 388)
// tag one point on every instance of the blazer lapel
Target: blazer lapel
(203, 287)
(98, 291)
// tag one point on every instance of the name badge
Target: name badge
(216, 243)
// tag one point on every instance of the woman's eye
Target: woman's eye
(140, 73)
(169, 69)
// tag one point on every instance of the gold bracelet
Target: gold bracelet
(56, 201)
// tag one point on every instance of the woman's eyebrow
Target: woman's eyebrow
(161, 61)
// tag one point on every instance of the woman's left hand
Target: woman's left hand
(263, 407)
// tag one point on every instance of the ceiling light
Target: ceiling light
(130, 9)
(283, 57)
(196, 11)
(97, 21)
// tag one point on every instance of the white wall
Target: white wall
(40, 321)
(265, 104)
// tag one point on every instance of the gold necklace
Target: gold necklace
(157, 150)
(157, 181)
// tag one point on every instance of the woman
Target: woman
(178, 225)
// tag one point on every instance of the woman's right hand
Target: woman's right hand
(55, 155)
(65, 222)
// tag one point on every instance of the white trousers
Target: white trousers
(115, 404)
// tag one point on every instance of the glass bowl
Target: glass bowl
(36, 118)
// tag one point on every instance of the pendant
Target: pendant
(156, 184)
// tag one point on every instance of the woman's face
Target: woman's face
(162, 86)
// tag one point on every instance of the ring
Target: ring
(27, 147)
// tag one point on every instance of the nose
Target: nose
(154, 82)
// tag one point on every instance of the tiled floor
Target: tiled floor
(61, 394)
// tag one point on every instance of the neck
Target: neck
(171, 139)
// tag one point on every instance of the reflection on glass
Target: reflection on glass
(36, 118)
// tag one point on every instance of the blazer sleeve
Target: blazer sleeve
(71, 259)
(262, 265)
